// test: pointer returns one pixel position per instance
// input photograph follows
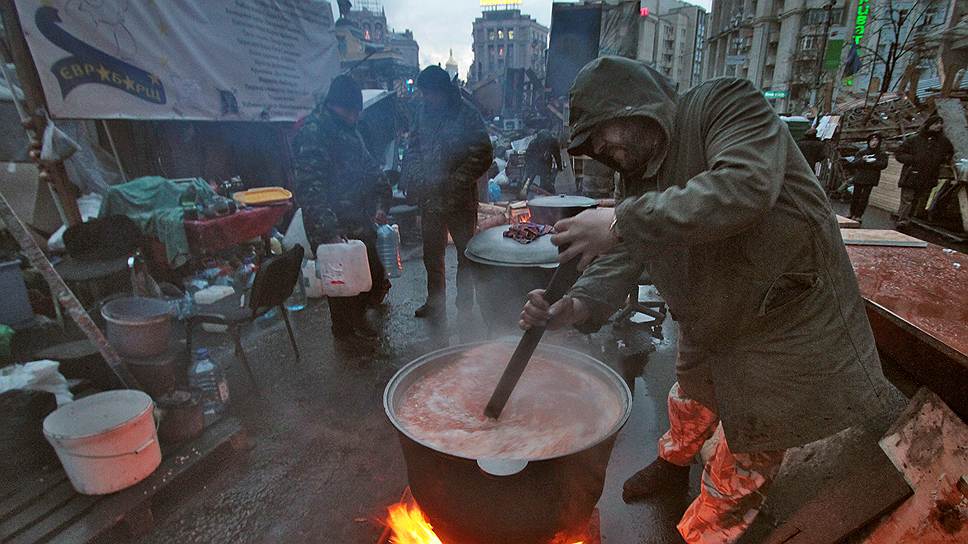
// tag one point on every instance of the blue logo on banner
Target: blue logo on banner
(91, 65)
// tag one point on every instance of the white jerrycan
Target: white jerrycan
(343, 269)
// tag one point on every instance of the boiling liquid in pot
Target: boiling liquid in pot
(556, 408)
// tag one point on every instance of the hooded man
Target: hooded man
(541, 160)
(449, 150)
(342, 191)
(868, 163)
(812, 148)
(725, 215)
(922, 156)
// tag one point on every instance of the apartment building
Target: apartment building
(672, 38)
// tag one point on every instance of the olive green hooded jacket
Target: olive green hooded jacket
(738, 237)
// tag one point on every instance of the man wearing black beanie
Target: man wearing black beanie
(449, 150)
(342, 191)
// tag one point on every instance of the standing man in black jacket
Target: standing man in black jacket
(868, 162)
(922, 157)
(812, 148)
(449, 150)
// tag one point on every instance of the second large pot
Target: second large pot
(475, 501)
(548, 210)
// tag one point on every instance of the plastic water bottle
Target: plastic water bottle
(207, 378)
(388, 248)
(297, 300)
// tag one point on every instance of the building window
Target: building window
(511, 34)
(490, 35)
(500, 52)
(819, 16)
(809, 43)
(500, 34)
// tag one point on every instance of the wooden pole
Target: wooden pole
(53, 174)
(63, 293)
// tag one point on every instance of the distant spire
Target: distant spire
(451, 65)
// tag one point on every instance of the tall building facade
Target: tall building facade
(378, 56)
(672, 38)
(877, 25)
(779, 45)
(505, 38)
(798, 51)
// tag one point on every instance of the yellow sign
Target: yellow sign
(501, 3)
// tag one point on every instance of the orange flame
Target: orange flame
(408, 525)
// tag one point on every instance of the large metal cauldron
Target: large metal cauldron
(477, 501)
(505, 272)
(548, 210)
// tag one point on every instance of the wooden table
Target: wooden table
(917, 302)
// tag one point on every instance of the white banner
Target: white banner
(227, 60)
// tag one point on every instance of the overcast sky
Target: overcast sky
(439, 25)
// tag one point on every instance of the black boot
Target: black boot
(661, 477)
(429, 310)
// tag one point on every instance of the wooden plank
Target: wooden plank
(880, 237)
(46, 528)
(927, 441)
(845, 223)
(36, 487)
(887, 195)
(827, 489)
(37, 510)
(927, 444)
(112, 508)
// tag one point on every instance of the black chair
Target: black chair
(655, 311)
(273, 284)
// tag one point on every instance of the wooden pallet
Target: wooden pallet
(45, 507)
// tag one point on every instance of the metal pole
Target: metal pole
(823, 52)
(114, 149)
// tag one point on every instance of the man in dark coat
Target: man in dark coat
(812, 148)
(868, 163)
(449, 150)
(342, 191)
(725, 215)
(922, 156)
(542, 160)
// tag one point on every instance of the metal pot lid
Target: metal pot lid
(562, 201)
(492, 248)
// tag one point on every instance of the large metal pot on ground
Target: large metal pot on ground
(548, 210)
(475, 501)
(505, 272)
(138, 326)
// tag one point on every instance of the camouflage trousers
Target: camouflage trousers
(733, 484)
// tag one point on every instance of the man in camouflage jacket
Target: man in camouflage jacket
(449, 150)
(342, 191)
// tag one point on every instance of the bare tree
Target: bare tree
(908, 26)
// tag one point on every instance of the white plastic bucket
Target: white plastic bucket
(106, 442)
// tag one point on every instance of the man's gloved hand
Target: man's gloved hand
(537, 312)
(587, 235)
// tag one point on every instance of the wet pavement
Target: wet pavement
(325, 463)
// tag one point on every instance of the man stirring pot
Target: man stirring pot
(730, 222)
